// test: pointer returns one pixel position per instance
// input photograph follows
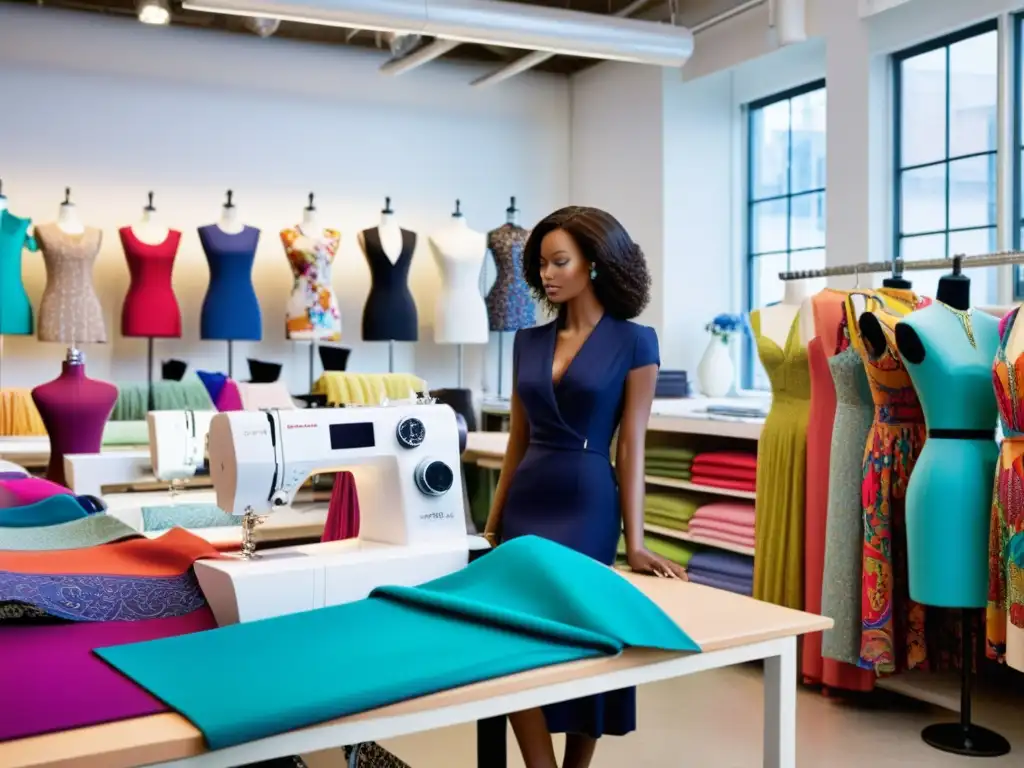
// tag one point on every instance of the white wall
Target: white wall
(113, 109)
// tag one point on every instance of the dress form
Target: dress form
(150, 307)
(312, 313)
(67, 216)
(15, 308)
(74, 409)
(777, 319)
(510, 305)
(149, 230)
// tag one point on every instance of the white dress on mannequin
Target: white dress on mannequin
(460, 315)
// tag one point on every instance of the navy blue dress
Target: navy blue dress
(565, 488)
(231, 310)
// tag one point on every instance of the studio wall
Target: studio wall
(114, 109)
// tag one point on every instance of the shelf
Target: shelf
(669, 533)
(685, 485)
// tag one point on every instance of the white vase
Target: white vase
(716, 372)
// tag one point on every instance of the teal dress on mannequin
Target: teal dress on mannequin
(949, 495)
(15, 310)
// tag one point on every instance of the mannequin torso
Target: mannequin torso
(777, 319)
(390, 312)
(148, 230)
(312, 309)
(15, 309)
(70, 311)
(150, 307)
(68, 220)
(460, 315)
(510, 305)
(231, 310)
(229, 222)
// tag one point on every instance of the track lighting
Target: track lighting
(156, 12)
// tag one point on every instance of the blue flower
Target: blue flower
(726, 325)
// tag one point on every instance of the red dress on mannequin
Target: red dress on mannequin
(74, 409)
(150, 308)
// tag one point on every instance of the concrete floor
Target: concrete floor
(713, 720)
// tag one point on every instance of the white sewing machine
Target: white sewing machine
(177, 442)
(406, 464)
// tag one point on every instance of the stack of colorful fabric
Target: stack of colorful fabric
(671, 549)
(734, 470)
(668, 461)
(722, 570)
(670, 510)
(725, 523)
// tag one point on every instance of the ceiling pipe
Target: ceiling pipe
(419, 57)
(512, 25)
(536, 58)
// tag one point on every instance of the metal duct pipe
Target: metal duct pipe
(512, 25)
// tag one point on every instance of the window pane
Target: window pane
(973, 92)
(972, 192)
(923, 199)
(918, 248)
(807, 170)
(807, 221)
(768, 226)
(765, 273)
(923, 108)
(807, 259)
(984, 281)
(769, 147)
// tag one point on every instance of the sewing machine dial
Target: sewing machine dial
(434, 477)
(411, 432)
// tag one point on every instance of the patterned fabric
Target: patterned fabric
(1005, 613)
(186, 516)
(103, 598)
(14, 611)
(90, 531)
(312, 309)
(373, 755)
(70, 311)
(510, 304)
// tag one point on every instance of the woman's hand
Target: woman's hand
(644, 561)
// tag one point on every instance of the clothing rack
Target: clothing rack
(898, 266)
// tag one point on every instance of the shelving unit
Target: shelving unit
(669, 533)
(686, 485)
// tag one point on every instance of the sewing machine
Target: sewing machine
(177, 443)
(406, 464)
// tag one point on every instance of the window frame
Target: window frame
(897, 59)
(753, 107)
(1017, 192)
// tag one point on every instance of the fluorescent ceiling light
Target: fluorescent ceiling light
(155, 12)
(488, 22)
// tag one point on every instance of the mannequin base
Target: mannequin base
(969, 741)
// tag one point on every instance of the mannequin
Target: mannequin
(15, 309)
(460, 315)
(231, 311)
(150, 308)
(510, 305)
(74, 409)
(390, 312)
(777, 319)
(70, 311)
(312, 313)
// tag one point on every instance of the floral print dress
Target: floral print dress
(313, 313)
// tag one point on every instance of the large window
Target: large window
(785, 196)
(945, 151)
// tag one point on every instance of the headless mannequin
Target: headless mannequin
(67, 217)
(74, 410)
(148, 229)
(310, 220)
(460, 316)
(777, 319)
(390, 233)
(229, 222)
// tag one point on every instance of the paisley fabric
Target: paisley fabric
(90, 531)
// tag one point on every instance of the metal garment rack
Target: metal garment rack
(897, 267)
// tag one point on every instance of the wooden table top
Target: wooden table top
(715, 619)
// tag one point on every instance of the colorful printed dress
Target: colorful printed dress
(312, 309)
(892, 632)
(1005, 614)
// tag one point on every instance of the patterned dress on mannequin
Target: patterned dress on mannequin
(70, 311)
(510, 305)
(312, 309)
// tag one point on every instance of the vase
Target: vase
(716, 372)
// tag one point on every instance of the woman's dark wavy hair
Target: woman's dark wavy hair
(622, 285)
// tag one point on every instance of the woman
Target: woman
(576, 380)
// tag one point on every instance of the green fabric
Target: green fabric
(530, 603)
(85, 532)
(669, 453)
(676, 551)
(186, 516)
(132, 399)
(680, 507)
(671, 474)
(665, 521)
(126, 433)
(668, 464)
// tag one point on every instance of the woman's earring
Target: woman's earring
(593, 272)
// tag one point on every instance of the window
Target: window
(1018, 140)
(945, 152)
(785, 197)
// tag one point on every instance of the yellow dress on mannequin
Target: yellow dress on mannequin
(782, 470)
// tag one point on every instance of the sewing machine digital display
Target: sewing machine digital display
(357, 434)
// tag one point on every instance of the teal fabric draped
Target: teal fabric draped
(61, 508)
(530, 603)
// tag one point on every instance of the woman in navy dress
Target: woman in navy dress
(576, 380)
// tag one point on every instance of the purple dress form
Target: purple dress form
(74, 409)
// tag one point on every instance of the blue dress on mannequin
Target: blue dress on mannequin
(565, 488)
(231, 311)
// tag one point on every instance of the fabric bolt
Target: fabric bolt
(54, 682)
(1004, 625)
(89, 531)
(259, 397)
(150, 308)
(70, 310)
(501, 623)
(682, 506)
(726, 563)
(668, 473)
(665, 521)
(125, 433)
(343, 509)
(22, 492)
(231, 309)
(15, 308)
(510, 304)
(699, 534)
(390, 311)
(676, 551)
(718, 581)
(312, 313)
(19, 416)
(189, 516)
(223, 391)
(727, 512)
(699, 524)
(726, 459)
(734, 474)
(565, 488)
(61, 508)
(670, 452)
(346, 388)
(747, 486)
(133, 399)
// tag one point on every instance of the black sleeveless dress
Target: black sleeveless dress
(390, 312)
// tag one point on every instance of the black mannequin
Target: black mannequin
(896, 280)
(955, 288)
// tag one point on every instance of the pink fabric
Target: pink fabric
(229, 398)
(716, 482)
(28, 490)
(736, 529)
(737, 459)
(728, 473)
(725, 538)
(343, 510)
(727, 512)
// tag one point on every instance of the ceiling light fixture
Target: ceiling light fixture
(488, 22)
(156, 12)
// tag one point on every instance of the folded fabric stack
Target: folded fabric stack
(671, 549)
(671, 385)
(733, 470)
(724, 523)
(722, 570)
(670, 510)
(668, 461)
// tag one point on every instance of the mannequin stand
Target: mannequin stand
(501, 361)
(231, 357)
(150, 403)
(391, 355)
(460, 365)
(312, 358)
(965, 738)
